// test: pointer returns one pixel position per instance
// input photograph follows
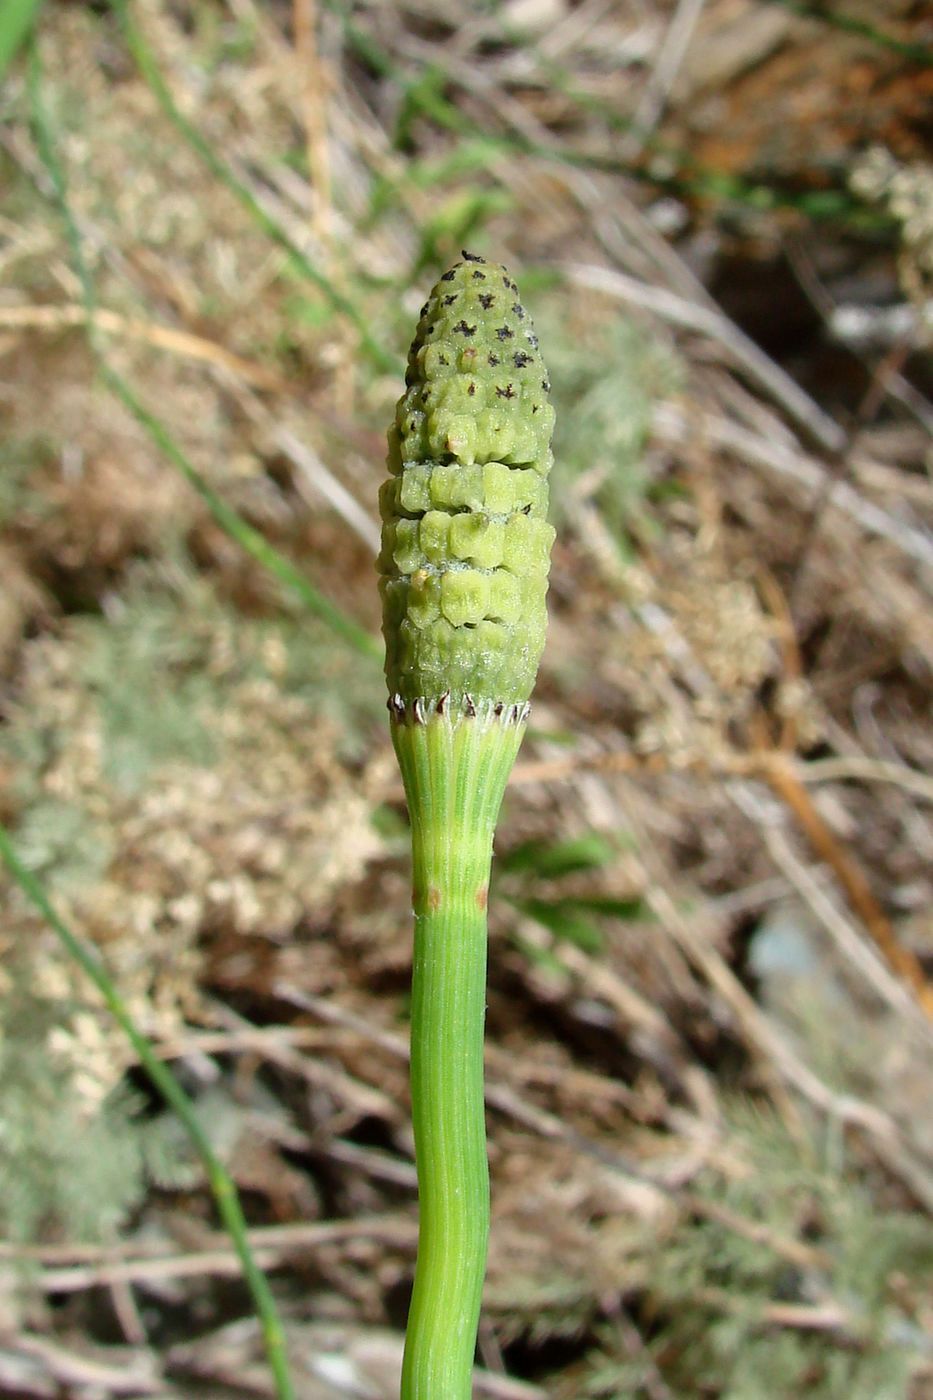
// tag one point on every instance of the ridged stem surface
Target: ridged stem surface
(455, 769)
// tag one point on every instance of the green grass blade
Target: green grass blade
(251, 540)
(221, 1183)
(16, 20)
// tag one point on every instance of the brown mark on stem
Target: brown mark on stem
(427, 902)
(482, 898)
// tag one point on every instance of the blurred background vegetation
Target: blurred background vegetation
(709, 1007)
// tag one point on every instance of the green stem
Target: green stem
(455, 768)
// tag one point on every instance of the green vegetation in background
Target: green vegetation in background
(456, 222)
(57, 839)
(221, 1184)
(47, 834)
(16, 20)
(678, 172)
(551, 860)
(713, 1287)
(162, 644)
(532, 878)
(20, 458)
(785, 1231)
(68, 1168)
(916, 53)
(609, 380)
(73, 1167)
(163, 1080)
(155, 650)
(424, 96)
(383, 359)
(466, 160)
(251, 540)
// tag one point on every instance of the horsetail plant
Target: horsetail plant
(464, 563)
